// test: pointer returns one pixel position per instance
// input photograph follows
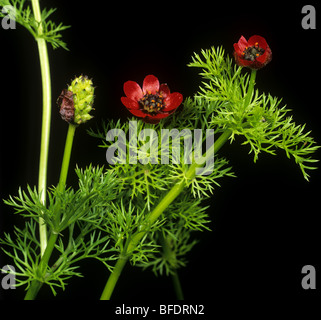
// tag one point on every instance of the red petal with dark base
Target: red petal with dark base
(164, 90)
(137, 113)
(173, 101)
(257, 39)
(129, 103)
(155, 119)
(241, 45)
(150, 84)
(160, 115)
(133, 90)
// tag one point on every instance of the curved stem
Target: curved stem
(46, 119)
(42, 268)
(154, 215)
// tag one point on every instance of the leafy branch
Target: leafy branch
(140, 209)
(262, 122)
(22, 14)
(81, 212)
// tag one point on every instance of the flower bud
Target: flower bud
(77, 101)
(83, 95)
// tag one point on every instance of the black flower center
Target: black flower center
(152, 103)
(251, 53)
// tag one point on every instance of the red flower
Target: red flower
(254, 53)
(153, 102)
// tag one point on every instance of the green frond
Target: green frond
(264, 123)
(51, 32)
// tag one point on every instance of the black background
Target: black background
(265, 221)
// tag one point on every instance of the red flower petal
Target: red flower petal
(150, 84)
(155, 119)
(137, 113)
(237, 50)
(164, 90)
(266, 57)
(152, 121)
(259, 40)
(173, 101)
(242, 44)
(241, 62)
(160, 116)
(133, 90)
(129, 103)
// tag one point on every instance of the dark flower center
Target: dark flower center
(152, 103)
(251, 53)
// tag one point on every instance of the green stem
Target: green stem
(154, 215)
(66, 159)
(113, 278)
(46, 118)
(42, 268)
(177, 286)
(250, 90)
(170, 256)
(33, 290)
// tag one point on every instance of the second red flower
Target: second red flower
(254, 53)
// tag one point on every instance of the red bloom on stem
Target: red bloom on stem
(152, 102)
(254, 53)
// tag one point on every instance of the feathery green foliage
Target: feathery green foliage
(21, 12)
(263, 123)
(146, 207)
